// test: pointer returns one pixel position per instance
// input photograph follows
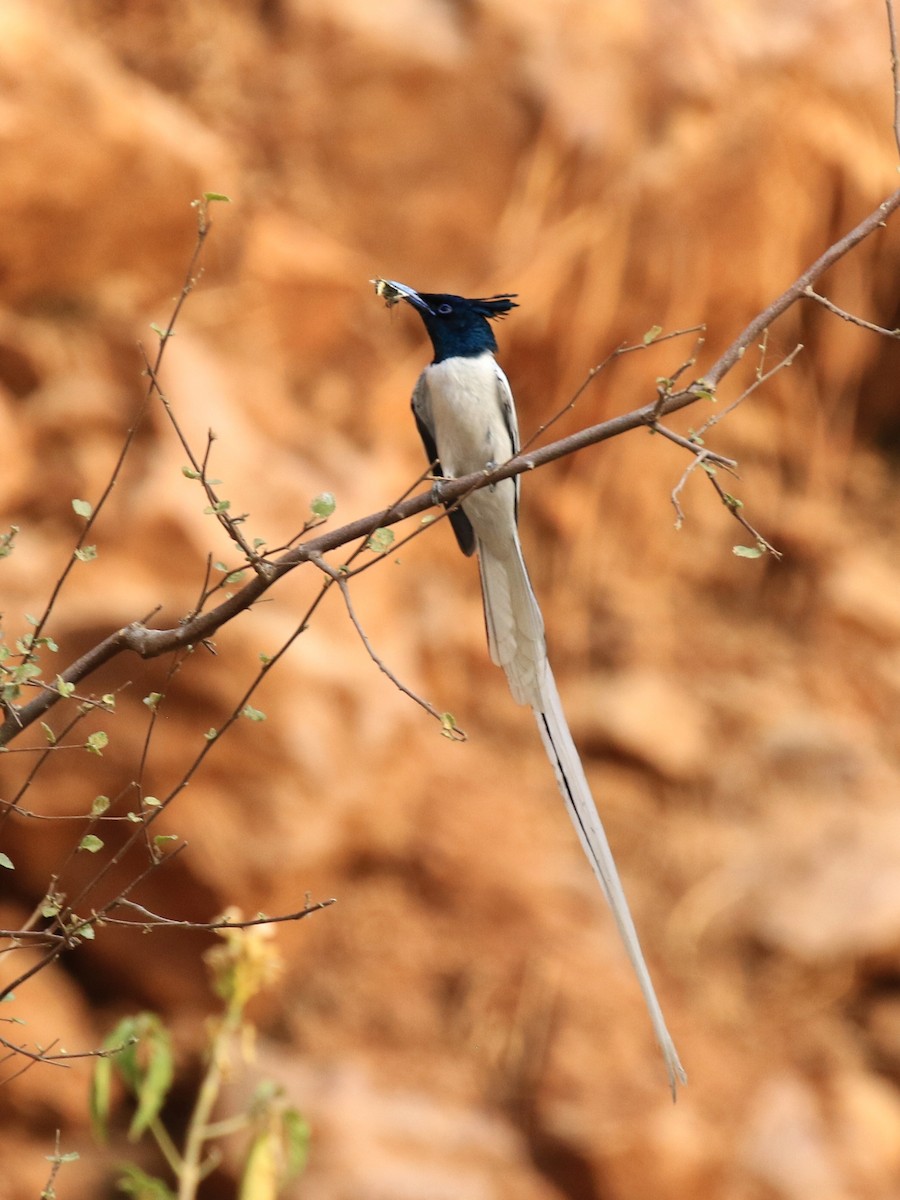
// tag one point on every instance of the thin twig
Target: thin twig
(620, 350)
(895, 70)
(734, 507)
(758, 381)
(847, 316)
(230, 524)
(187, 287)
(43, 1055)
(448, 727)
(675, 494)
(153, 920)
(704, 455)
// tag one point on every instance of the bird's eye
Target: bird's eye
(445, 308)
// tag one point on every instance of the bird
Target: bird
(466, 417)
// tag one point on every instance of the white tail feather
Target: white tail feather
(516, 639)
(515, 627)
(576, 792)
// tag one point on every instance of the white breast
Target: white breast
(466, 400)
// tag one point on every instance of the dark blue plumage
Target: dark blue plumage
(459, 327)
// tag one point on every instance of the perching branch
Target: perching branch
(875, 220)
(150, 643)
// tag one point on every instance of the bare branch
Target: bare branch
(187, 287)
(150, 920)
(759, 379)
(895, 69)
(624, 348)
(734, 506)
(702, 454)
(875, 220)
(448, 725)
(846, 316)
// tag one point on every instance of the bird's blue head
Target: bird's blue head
(458, 327)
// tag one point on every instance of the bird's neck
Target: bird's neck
(464, 343)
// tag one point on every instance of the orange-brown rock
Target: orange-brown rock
(463, 1022)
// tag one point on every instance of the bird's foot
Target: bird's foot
(439, 488)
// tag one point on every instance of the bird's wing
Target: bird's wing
(508, 409)
(460, 523)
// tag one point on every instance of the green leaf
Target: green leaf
(7, 541)
(83, 508)
(756, 551)
(71, 1156)
(216, 198)
(86, 932)
(157, 1078)
(137, 1183)
(296, 1137)
(190, 473)
(96, 743)
(220, 506)
(161, 838)
(152, 700)
(652, 334)
(234, 577)
(108, 701)
(323, 505)
(65, 689)
(450, 729)
(91, 843)
(381, 540)
(211, 735)
(6, 861)
(86, 553)
(100, 805)
(160, 332)
(48, 734)
(252, 714)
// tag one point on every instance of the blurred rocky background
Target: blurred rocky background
(463, 1022)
